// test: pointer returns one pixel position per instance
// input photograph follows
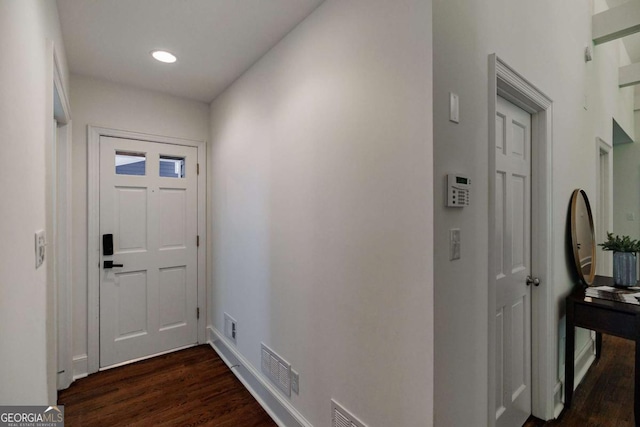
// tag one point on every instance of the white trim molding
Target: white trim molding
(504, 81)
(583, 360)
(80, 367)
(269, 397)
(604, 213)
(63, 250)
(558, 399)
(59, 86)
(93, 244)
(629, 75)
(616, 22)
(585, 357)
(59, 187)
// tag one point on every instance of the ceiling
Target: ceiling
(215, 40)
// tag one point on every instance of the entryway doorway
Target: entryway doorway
(522, 376)
(148, 224)
(147, 240)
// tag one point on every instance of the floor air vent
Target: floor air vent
(276, 369)
(342, 418)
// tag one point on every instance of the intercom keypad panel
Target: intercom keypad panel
(458, 191)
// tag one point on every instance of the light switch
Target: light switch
(454, 244)
(454, 108)
(40, 244)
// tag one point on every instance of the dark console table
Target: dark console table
(605, 317)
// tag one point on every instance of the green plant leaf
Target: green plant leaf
(620, 244)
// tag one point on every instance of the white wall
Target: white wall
(105, 104)
(626, 190)
(322, 210)
(544, 41)
(26, 114)
(624, 114)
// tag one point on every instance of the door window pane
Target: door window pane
(130, 163)
(171, 167)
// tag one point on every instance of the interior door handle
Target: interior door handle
(533, 281)
(110, 264)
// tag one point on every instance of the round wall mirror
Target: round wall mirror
(582, 236)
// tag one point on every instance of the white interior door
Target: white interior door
(148, 202)
(513, 254)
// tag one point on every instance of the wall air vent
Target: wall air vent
(340, 417)
(276, 369)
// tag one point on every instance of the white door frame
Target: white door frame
(507, 83)
(93, 255)
(60, 317)
(604, 219)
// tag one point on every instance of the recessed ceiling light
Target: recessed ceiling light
(164, 56)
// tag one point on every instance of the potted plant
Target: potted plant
(624, 258)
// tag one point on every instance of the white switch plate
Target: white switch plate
(40, 245)
(230, 328)
(454, 108)
(454, 244)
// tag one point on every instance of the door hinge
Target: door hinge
(198, 313)
(197, 241)
(198, 168)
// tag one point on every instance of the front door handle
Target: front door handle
(533, 281)
(110, 264)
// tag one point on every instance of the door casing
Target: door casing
(93, 244)
(509, 84)
(604, 188)
(59, 178)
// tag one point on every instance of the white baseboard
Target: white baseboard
(558, 399)
(63, 380)
(583, 361)
(276, 405)
(80, 367)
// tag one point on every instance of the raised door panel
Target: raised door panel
(131, 300)
(173, 297)
(172, 225)
(130, 219)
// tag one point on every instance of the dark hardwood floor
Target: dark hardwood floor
(605, 396)
(191, 387)
(194, 387)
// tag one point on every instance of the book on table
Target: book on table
(629, 295)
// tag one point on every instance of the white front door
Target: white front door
(148, 203)
(513, 254)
